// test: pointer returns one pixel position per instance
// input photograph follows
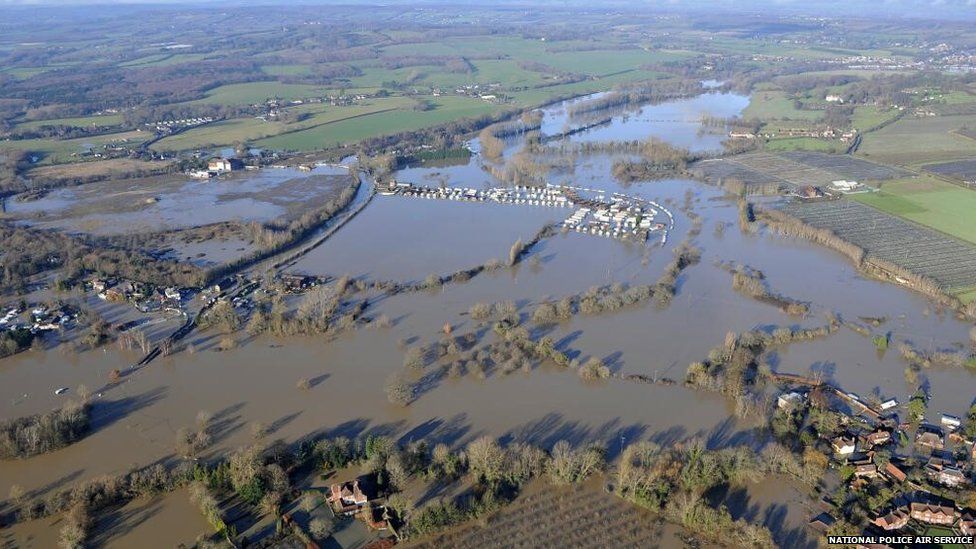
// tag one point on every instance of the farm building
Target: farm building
(221, 165)
(843, 185)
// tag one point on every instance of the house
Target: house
(221, 165)
(951, 422)
(296, 283)
(895, 519)
(347, 498)
(895, 472)
(114, 294)
(788, 400)
(223, 285)
(866, 470)
(843, 445)
(967, 523)
(173, 293)
(952, 477)
(834, 99)
(877, 438)
(101, 284)
(930, 438)
(809, 191)
(932, 513)
(822, 522)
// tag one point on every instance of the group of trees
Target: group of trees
(736, 366)
(673, 481)
(596, 300)
(29, 251)
(14, 341)
(637, 94)
(660, 479)
(41, 433)
(685, 255)
(492, 138)
(85, 88)
(324, 309)
(752, 282)
(498, 473)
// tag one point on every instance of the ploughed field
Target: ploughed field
(799, 168)
(945, 259)
(583, 517)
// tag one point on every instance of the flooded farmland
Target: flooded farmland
(176, 202)
(405, 240)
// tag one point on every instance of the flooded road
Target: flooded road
(408, 239)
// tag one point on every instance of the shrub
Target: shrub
(594, 368)
(398, 390)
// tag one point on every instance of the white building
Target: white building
(951, 422)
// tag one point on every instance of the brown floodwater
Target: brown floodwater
(408, 238)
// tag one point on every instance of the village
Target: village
(915, 475)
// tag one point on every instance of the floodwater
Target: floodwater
(406, 239)
(778, 503)
(176, 202)
(170, 520)
(677, 122)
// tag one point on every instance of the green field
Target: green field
(772, 104)
(107, 120)
(24, 72)
(257, 92)
(603, 62)
(60, 151)
(936, 531)
(351, 130)
(538, 96)
(163, 59)
(913, 141)
(228, 132)
(287, 70)
(867, 117)
(928, 201)
(518, 48)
